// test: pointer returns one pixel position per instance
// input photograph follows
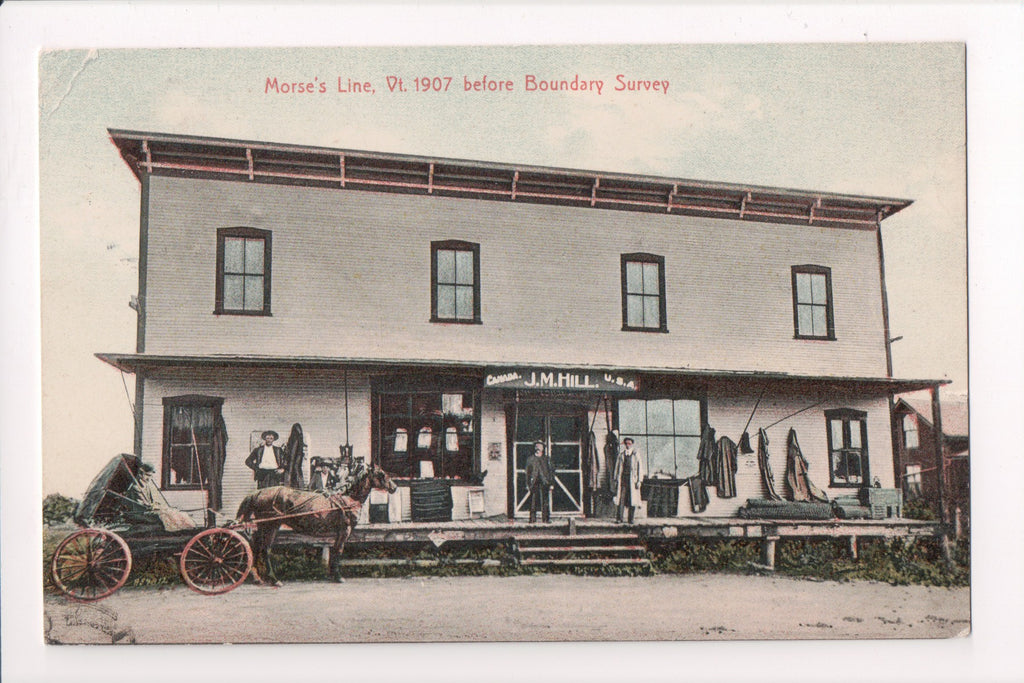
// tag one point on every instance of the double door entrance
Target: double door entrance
(562, 430)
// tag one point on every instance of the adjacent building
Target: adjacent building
(922, 476)
(439, 316)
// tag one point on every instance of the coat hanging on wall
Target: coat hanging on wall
(706, 456)
(725, 467)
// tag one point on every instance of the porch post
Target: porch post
(940, 469)
(940, 453)
(769, 551)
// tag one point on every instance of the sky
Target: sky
(884, 120)
(862, 117)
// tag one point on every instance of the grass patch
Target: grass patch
(693, 555)
(894, 562)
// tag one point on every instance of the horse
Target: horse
(309, 512)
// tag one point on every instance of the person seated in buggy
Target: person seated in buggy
(149, 507)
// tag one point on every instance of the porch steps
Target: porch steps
(581, 550)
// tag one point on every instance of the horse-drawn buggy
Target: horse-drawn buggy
(124, 515)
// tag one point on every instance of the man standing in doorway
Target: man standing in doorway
(267, 462)
(539, 482)
(629, 472)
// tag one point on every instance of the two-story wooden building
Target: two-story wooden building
(441, 315)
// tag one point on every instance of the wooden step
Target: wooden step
(589, 562)
(581, 548)
(578, 537)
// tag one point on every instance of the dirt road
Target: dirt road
(524, 608)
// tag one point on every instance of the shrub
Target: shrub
(689, 555)
(58, 509)
(919, 509)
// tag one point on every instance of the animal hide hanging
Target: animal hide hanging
(800, 485)
(767, 478)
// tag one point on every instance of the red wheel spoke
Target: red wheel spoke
(215, 561)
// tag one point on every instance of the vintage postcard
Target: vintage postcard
(498, 343)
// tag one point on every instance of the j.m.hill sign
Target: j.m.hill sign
(574, 380)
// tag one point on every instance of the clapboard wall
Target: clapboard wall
(351, 278)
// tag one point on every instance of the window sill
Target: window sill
(456, 321)
(250, 314)
(808, 337)
(627, 328)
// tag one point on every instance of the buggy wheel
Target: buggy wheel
(215, 561)
(91, 564)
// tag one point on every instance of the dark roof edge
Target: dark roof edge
(926, 420)
(884, 206)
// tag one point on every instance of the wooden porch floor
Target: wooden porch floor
(502, 528)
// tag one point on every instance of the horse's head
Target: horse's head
(380, 479)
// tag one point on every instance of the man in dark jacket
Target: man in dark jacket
(267, 462)
(539, 482)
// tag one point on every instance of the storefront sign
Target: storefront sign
(573, 380)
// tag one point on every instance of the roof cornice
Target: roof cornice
(343, 169)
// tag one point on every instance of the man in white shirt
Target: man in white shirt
(267, 461)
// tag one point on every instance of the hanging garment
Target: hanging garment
(725, 467)
(800, 485)
(611, 453)
(698, 494)
(591, 466)
(706, 457)
(294, 452)
(767, 478)
(215, 468)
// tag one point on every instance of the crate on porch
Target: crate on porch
(883, 503)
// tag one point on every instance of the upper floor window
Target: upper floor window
(643, 293)
(847, 447)
(910, 439)
(812, 302)
(455, 282)
(193, 441)
(243, 271)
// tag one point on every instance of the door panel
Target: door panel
(563, 439)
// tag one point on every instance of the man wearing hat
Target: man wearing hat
(267, 461)
(539, 482)
(629, 472)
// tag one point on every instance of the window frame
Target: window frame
(423, 388)
(808, 269)
(845, 415)
(643, 437)
(455, 245)
(643, 257)
(216, 404)
(243, 232)
(909, 425)
(913, 481)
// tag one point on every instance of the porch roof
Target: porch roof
(133, 362)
